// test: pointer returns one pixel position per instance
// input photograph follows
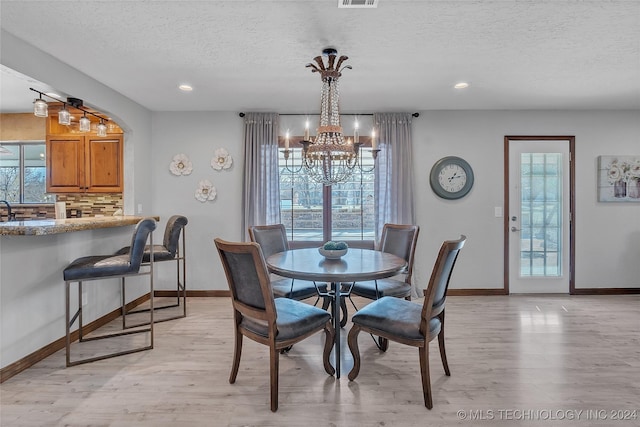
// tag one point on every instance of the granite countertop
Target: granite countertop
(56, 226)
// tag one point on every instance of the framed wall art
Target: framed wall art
(619, 178)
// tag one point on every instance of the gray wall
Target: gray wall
(607, 234)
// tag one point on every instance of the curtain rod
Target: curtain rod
(242, 114)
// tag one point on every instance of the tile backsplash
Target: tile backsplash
(89, 204)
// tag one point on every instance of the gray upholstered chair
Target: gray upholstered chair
(408, 323)
(98, 267)
(273, 239)
(400, 240)
(173, 248)
(276, 322)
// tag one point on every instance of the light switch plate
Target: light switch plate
(497, 211)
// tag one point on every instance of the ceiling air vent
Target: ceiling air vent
(357, 4)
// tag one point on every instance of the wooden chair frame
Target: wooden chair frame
(268, 314)
(440, 276)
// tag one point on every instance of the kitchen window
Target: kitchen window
(311, 211)
(23, 172)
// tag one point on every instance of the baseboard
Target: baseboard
(46, 351)
(581, 291)
(194, 293)
(474, 292)
(606, 291)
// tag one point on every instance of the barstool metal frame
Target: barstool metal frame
(69, 321)
(181, 287)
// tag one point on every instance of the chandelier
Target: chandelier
(330, 158)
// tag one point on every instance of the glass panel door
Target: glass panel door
(539, 216)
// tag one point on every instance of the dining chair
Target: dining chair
(276, 322)
(99, 267)
(173, 248)
(273, 239)
(400, 240)
(409, 323)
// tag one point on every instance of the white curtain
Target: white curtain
(261, 199)
(394, 171)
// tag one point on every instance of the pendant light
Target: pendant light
(102, 128)
(40, 107)
(64, 117)
(85, 123)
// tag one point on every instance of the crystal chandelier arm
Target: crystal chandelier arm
(286, 162)
(341, 60)
(318, 60)
(314, 69)
(332, 59)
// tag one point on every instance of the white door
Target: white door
(538, 222)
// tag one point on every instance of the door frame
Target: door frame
(572, 203)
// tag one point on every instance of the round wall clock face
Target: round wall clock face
(451, 177)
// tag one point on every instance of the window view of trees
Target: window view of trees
(23, 173)
(303, 205)
(541, 210)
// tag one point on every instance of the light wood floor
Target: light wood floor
(517, 360)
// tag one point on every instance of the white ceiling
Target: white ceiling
(244, 55)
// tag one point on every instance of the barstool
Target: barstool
(100, 267)
(170, 250)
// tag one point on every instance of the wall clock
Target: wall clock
(451, 178)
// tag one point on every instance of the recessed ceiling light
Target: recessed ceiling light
(53, 95)
(185, 87)
(461, 85)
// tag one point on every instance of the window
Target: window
(541, 212)
(312, 212)
(23, 173)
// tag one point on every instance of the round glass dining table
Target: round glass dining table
(355, 266)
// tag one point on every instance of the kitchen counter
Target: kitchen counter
(57, 226)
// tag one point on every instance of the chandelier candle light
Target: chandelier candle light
(330, 158)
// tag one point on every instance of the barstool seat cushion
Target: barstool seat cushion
(160, 253)
(169, 248)
(91, 267)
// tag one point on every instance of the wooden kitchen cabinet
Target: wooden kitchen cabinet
(91, 164)
(83, 162)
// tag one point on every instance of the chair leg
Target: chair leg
(383, 344)
(345, 314)
(80, 335)
(67, 317)
(326, 302)
(236, 358)
(274, 357)
(443, 352)
(352, 340)
(424, 371)
(329, 339)
(123, 310)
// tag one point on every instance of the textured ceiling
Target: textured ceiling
(245, 55)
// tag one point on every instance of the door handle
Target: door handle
(515, 229)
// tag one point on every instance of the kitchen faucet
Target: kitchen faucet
(10, 216)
